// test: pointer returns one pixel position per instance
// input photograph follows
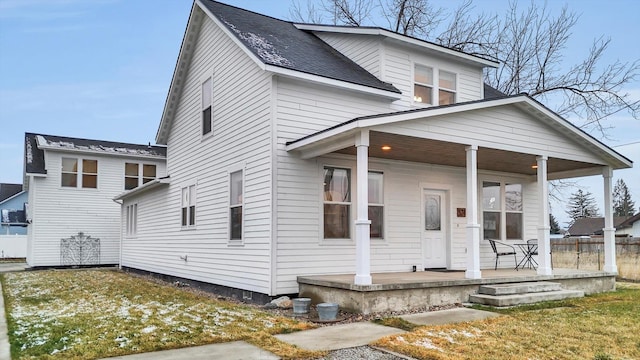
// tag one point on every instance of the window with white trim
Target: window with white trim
(502, 210)
(235, 205)
(138, 174)
(337, 203)
(132, 219)
(207, 100)
(429, 92)
(376, 205)
(446, 87)
(188, 211)
(79, 173)
(423, 84)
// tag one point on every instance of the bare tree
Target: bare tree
(416, 18)
(530, 45)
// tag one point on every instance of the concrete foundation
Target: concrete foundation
(420, 290)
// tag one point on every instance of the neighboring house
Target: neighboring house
(630, 227)
(12, 210)
(71, 184)
(298, 149)
(592, 226)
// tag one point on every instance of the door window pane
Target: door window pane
(432, 220)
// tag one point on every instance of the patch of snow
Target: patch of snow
(262, 46)
(148, 329)
(427, 344)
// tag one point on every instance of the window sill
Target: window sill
(187, 228)
(235, 243)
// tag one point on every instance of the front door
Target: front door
(434, 228)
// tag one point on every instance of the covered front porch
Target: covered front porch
(512, 145)
(419, 290)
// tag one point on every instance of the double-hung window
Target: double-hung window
(376, 205)
(138, 174)
(235, 205)
(423, 84)
(188, 214)
(337, 203)
(430, 92)
(502, 210)
(79, 172)
(207, 100)
(132, 219)
(446, 87)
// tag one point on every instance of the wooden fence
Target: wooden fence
(595, 244)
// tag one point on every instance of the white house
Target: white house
(298, 149)
(71, 183)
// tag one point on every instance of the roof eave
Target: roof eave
(616, 160)
(186, 50)
(98, 152)
(295, 74)
(145, 187)
(398, 37)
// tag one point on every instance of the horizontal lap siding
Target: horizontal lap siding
(398, 70)
(241, 135)
(364, 50)
(59, 212)
(502, 127)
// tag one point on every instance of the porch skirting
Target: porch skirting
(420, 290)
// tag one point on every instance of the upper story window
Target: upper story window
(138, 174)
(424, 85)
(337, 203)
(207, 100)
(79, 172)
(502, 210)
(446, 87)
(235, 206)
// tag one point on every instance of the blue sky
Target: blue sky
(101, 69)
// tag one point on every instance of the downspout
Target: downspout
(119, 202)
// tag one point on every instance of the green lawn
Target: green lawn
(599, 327)
(88, 314)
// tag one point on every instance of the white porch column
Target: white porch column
(609, 230)
(544, 240)
(473, 225)
(363, 242)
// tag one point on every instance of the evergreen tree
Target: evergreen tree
(555, 227)
(582, 205)
(622, 203)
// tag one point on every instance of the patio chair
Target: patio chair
(502, 253)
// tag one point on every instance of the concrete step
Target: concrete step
(519, 288)
(521, 299)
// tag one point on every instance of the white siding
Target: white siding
(364, 50)
(502, 127)
(241, 137)
(60, 212)
(302, 251)
(398, 70)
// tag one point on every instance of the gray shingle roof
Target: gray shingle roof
(8, 190)
(34, 156)
(592, 226)
(280, 43)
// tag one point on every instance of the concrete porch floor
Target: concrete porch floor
(419, 290)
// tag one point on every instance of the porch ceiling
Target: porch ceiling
(408, 148)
